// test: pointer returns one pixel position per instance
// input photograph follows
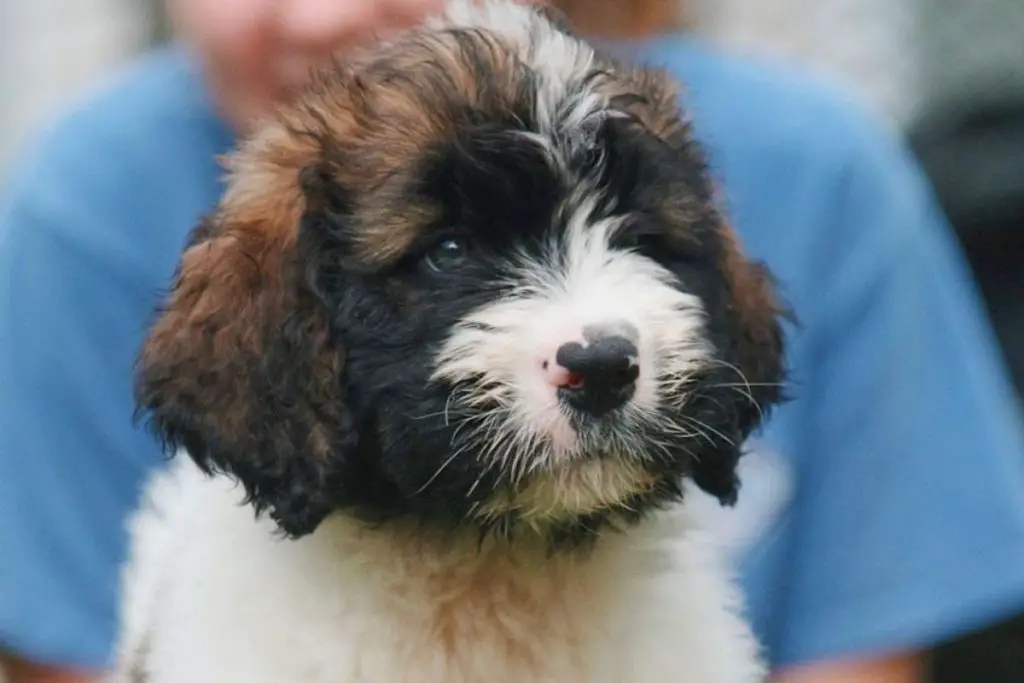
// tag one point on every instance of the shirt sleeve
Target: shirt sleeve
(72, 316)
(908, 511)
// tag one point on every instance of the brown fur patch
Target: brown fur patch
(230, 300)
(486, 595)
(240, 368)
(370, 121)
(648, 95)
(757, 309)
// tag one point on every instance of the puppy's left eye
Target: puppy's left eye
(447, 254)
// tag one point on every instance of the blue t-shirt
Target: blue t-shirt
(882, 508)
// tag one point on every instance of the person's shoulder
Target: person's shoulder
(775, 103)
(791, 143)
(154, 103)
(138, 149)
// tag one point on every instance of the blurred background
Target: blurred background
(947, 74)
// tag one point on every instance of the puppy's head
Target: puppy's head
(475, 276)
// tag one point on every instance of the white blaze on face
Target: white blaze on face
(499, 352)
(558, 59)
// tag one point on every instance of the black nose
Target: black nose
(603, 373)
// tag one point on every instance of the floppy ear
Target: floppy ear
(755, 384)
(757, 320)
(241, 368)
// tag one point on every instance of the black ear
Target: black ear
(751, 381)
(241, 368)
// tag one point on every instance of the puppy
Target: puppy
(464, 323)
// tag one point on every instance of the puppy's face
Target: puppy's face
(475, 276)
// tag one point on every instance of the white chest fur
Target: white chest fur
(214, 596)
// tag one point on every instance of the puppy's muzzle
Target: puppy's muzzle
(598, 374)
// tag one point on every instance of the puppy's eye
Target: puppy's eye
(447, 254)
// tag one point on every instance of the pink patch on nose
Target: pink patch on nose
(559, 377)
(574, 381)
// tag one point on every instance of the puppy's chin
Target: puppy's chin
(571, 493)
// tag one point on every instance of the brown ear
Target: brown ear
(240, 368)
(758, 331)
(739, 393)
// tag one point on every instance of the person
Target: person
(882, 508)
